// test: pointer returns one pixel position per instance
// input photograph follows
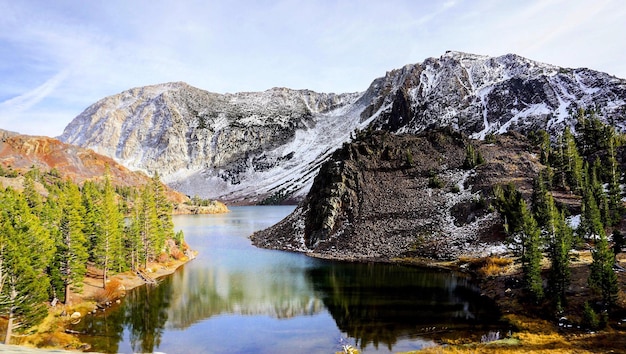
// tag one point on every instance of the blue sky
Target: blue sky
(58, 57)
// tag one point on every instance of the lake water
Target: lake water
(235, 298)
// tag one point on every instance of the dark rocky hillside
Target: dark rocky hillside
(385, 195)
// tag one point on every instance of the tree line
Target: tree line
(48, 239)
(585, 166)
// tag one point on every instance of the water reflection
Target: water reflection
(378, 304)
(237, 298)
(203, 293)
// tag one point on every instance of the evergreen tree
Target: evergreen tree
(108, 245)
(148, 225)
(597, 188)
(558, 162)
(573, 162)
(560, 246)
(92, 218)
(545, 147)
(33, 198)
(473, 157)
(590, 218)
(602, 276)
(615, 206)
(542, 201)
(50, 218)
(72, 252)
(531, 256)
(507, 201)
(165, 228)
(132, 234)
(23, 281)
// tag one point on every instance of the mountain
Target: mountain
(20, 153)
(266, 147)
(479, 95)
(243, 147)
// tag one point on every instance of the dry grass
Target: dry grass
(540, 336)
(113, 290)
(488, 266)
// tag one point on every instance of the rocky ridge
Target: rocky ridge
(386, 196)
(241, 147)
(20, 153)
(479, 95)
(266, 147)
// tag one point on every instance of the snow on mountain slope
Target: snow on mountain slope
(243, 147)
(255, 147)
(480, 95)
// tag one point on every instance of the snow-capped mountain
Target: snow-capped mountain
(480, 95)
(266, 146)
(243, 147)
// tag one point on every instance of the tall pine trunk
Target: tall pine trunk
(7, 339)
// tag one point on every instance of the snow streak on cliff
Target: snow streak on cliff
(244, 147)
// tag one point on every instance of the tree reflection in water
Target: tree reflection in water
(146, 315)
(379, 304)
(143, 314)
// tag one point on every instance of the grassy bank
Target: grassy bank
(53, 331)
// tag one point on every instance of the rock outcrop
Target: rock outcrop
(385, 196)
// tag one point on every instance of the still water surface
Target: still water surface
(235, 298)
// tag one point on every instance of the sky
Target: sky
(58, 57)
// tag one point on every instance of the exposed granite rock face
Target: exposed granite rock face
(386, 196)
(233, 146)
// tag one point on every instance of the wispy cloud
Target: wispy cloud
(25, 101)
(58, 57)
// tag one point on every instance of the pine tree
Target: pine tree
(50, 218)
(108, 245)
(23, 281)
(545, 146)
(602, 276)
(597, 188)
(165, 229)
(542, 201)
(531, 257)
(591, 218)
(92, 200)
(560, 246)
(615, 206)
(148, 225)
(473, 157)
(33, 198)
(72, 250)
(573, 162)
(507, 201)
(132, 234)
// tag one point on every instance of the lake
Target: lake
(236, 298)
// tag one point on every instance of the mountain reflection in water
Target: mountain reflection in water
(237, 298)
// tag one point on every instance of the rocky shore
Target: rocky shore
(390, 196)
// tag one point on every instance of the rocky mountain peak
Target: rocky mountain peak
(254, 147)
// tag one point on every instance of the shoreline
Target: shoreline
(534, 328)
(54, 332)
